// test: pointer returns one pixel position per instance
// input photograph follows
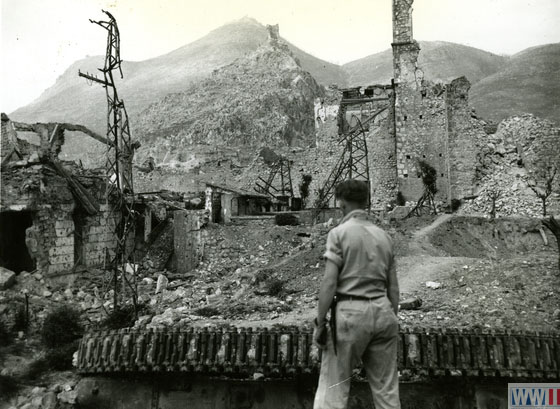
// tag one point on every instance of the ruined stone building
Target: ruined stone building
(53, 214)
(422, 121)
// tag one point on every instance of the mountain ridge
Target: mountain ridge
(69, 99)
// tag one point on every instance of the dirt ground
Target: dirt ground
(490, 275)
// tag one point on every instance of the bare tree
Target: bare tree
(429, 179)
(494, 192)
(552, 224)
(543, 182)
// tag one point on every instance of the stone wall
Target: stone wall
(422, 135)
(402, 21)
(51, 240)
(433, 120)
(464, 133)
(98, 236)
(383, 160)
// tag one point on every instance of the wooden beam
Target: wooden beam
(87, 201)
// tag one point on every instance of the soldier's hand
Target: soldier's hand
(320, 336)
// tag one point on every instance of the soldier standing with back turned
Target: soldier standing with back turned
(360, 272)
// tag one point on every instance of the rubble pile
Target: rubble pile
(517, 293)
(507, 164)
(56, 396)
(237, 276)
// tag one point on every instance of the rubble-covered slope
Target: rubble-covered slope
(264, 98)
(510, 161)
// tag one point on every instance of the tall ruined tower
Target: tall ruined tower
(405, 48)
(421, 132)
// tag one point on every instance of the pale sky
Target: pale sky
(41, 38)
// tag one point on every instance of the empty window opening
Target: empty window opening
(440, 155)
(405, 175)
(13, 249)
(442, 175)
(79, 218)
(217, 207)
(408, 156)
(420, 116)
(405, 117)
(424, 156)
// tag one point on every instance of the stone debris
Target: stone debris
(162, 282)
(412, 303)
(53, 397)
(7, 278)
(433, 285)
(507, 164)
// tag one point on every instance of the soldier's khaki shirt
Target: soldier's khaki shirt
(364, 255)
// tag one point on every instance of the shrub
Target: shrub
(275, 287)
(20, 319)
(455, 204)
(38, 367)
(207, 311)
(61, 358)
(286, 219)
(5, 334)
(8, 386)
(124, 316)
(304, 188)
(401, 201)
(61, 327)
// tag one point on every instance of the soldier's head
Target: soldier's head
(352, 195)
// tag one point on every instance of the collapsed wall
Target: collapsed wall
(44, 222)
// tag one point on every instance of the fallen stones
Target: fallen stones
(433, 285)
(399, 212)
(161, 284)
(49, 401)
(411, 303)
(68, 397)
(7, 278)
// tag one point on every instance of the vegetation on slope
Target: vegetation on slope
(529, 82)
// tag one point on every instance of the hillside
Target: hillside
(526, 82)
(71, 99)
(263, 98)
(440, 61)
(529, 82)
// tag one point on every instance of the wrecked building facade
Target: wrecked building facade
(424, 121)
(53, 215)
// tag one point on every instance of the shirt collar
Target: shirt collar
(359, 213)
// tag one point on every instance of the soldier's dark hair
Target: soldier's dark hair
(355, 191)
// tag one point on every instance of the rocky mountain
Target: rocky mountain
(265, 97)
(528, 82)
(70, 99)
(440, 61)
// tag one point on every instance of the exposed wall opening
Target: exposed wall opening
(217, 208)
(79, 218)
(13, 250)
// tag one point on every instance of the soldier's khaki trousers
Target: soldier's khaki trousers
(366, 331)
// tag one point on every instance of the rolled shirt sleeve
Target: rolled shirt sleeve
(334, 250)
